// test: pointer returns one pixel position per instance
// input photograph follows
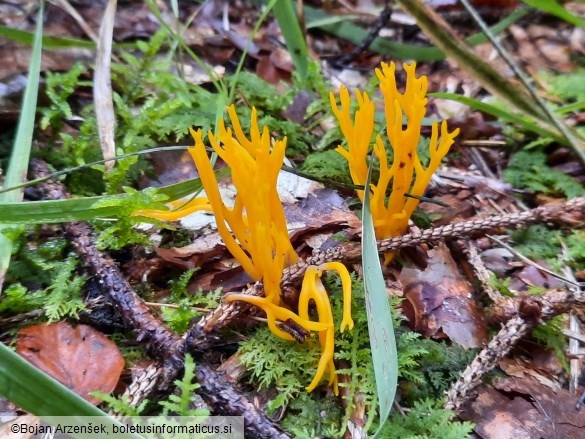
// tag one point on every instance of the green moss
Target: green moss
(528, 170)
(179, 319)
(328, 165)
(425, 420)
(428, 366)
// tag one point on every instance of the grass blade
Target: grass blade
(22, 143)
(102, 86)
(236, 75)
(554, 8)
(217, 82)
(24, 37)
(349, 31)
(293, 35)
(81, 209)
(380, 328)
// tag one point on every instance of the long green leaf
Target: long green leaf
(81, 209)
(554, 8)
(24, 37)
(235, 77)
(380, 328)
(58, 211)
(38, 393)
(526, 122)
(349, 31)
(293, 36)
(22, 143)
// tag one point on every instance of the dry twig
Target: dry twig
(521, 314)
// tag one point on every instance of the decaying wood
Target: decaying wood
(144, 384)
(536, 307)
(220, 394)
(159, 341)
(485, 361)
(482, 274)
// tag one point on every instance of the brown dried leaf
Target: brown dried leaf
(439, 301)
(524, 408)
(270, 72)
(460, 207)
(519, 369)
(80, 358)
(531, 276)
(322, 210)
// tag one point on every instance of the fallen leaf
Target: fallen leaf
(320, 211)
(518, 368)
(524, 408)
(460, 206)
(80, 358)
(438, 301)
(531, 276)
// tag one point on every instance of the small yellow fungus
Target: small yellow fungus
(314, 290)
(181, 209)
(406, 174)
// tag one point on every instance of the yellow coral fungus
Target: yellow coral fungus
(260, 239)
(314, 290)
(255, 232)
(182, 209)
(406, 173)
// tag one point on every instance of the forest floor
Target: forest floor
(485, 281)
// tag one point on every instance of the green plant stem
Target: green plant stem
(22, 143)
(293, 35)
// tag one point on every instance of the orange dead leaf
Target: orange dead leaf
(80, 358)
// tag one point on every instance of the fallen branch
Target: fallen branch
(485, 361)
(521, 314)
